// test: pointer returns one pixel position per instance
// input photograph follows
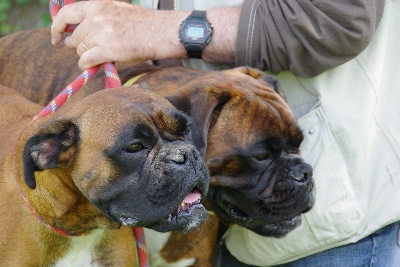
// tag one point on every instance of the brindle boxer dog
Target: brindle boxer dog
(250, 140)
(118, 158)
(241, 124)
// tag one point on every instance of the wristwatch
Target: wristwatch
(195, 33)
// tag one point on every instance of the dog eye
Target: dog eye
(135, 147)
(187, 129)
(292, 150)
(263, 156)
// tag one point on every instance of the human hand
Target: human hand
(112, 31)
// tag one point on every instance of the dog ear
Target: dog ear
(269, 80)
(53, 145)
(202, 105)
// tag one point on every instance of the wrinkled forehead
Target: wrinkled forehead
(253, 123)
(106, 120)
(106, 113)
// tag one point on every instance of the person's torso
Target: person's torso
(350, 119)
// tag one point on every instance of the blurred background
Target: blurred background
(16, 15)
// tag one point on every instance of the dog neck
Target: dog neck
(65, 209)
(32, 209)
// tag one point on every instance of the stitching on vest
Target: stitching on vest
(250, 33)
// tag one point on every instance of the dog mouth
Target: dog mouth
(274, 229)
(188, 215)
(278, 229)
(265, 224)
(193, 198)
(232, 212)
(190, 202)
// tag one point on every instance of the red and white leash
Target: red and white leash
(112, 78)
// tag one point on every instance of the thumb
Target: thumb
(92, 57)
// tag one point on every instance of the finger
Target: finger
(82, 48)
(77, 36)
(70, 14)
(67, 42)
(92, 57)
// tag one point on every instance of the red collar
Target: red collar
(33, 211)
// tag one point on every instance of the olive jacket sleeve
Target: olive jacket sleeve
(305, 37)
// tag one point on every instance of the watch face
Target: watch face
(195, 32)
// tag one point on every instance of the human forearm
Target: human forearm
(114, 31)
(220, 50)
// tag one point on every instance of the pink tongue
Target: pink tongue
(192, 197)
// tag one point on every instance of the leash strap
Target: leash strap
(55, 6)
(71, 89)
(141, 247)
(112, 78)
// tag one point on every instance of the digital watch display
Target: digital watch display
(195, 33)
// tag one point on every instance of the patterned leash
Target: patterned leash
(112, 81)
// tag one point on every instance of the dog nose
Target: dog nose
(301, 173)
(178, 156)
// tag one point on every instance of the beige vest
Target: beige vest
(350, 117)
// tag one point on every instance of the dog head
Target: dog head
(250, 140)
(129, 152)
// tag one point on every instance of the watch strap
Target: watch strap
(198, 14)
(193, 50)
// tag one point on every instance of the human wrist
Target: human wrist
(221, 49)
(164, 35)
